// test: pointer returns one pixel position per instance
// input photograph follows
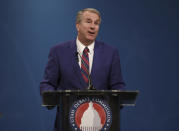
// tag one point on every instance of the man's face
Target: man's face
(88, 27)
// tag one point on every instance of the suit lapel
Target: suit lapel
(76, 67)
(96, 61)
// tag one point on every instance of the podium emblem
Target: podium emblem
(90, 114)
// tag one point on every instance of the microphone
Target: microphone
(76, 56)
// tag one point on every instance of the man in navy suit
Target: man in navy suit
(64, 67)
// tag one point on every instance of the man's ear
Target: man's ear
(77, 27)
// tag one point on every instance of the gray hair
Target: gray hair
(80, 13)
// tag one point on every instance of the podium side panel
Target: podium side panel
(115, 107)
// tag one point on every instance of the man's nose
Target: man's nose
(92, 26)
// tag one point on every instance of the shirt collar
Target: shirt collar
(80, 46)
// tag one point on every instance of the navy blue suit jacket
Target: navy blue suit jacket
(63, 71)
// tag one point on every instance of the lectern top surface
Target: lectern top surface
(94, 91)
(126, 97)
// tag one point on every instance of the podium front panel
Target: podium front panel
(89, 113)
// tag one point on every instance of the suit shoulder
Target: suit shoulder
(106, 46)
(61, 46)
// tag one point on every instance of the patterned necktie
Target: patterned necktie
(85, 65)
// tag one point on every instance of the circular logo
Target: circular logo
(92, 114)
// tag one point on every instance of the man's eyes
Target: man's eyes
(90, 21)
(96, 23)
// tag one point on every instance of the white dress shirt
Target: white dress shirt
(80, 48)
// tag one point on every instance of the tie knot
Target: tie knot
(86, 50)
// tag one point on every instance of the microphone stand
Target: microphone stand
(90, 86)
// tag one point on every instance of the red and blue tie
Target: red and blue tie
(85, 65)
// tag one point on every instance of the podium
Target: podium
(89, 110)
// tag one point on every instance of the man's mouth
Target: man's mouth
(92, 33)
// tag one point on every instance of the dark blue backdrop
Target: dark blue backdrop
(145, 32)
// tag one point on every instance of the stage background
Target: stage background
(145, 32)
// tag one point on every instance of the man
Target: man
(77, 64)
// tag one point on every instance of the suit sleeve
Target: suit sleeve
(52, 73)
(115, 79)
